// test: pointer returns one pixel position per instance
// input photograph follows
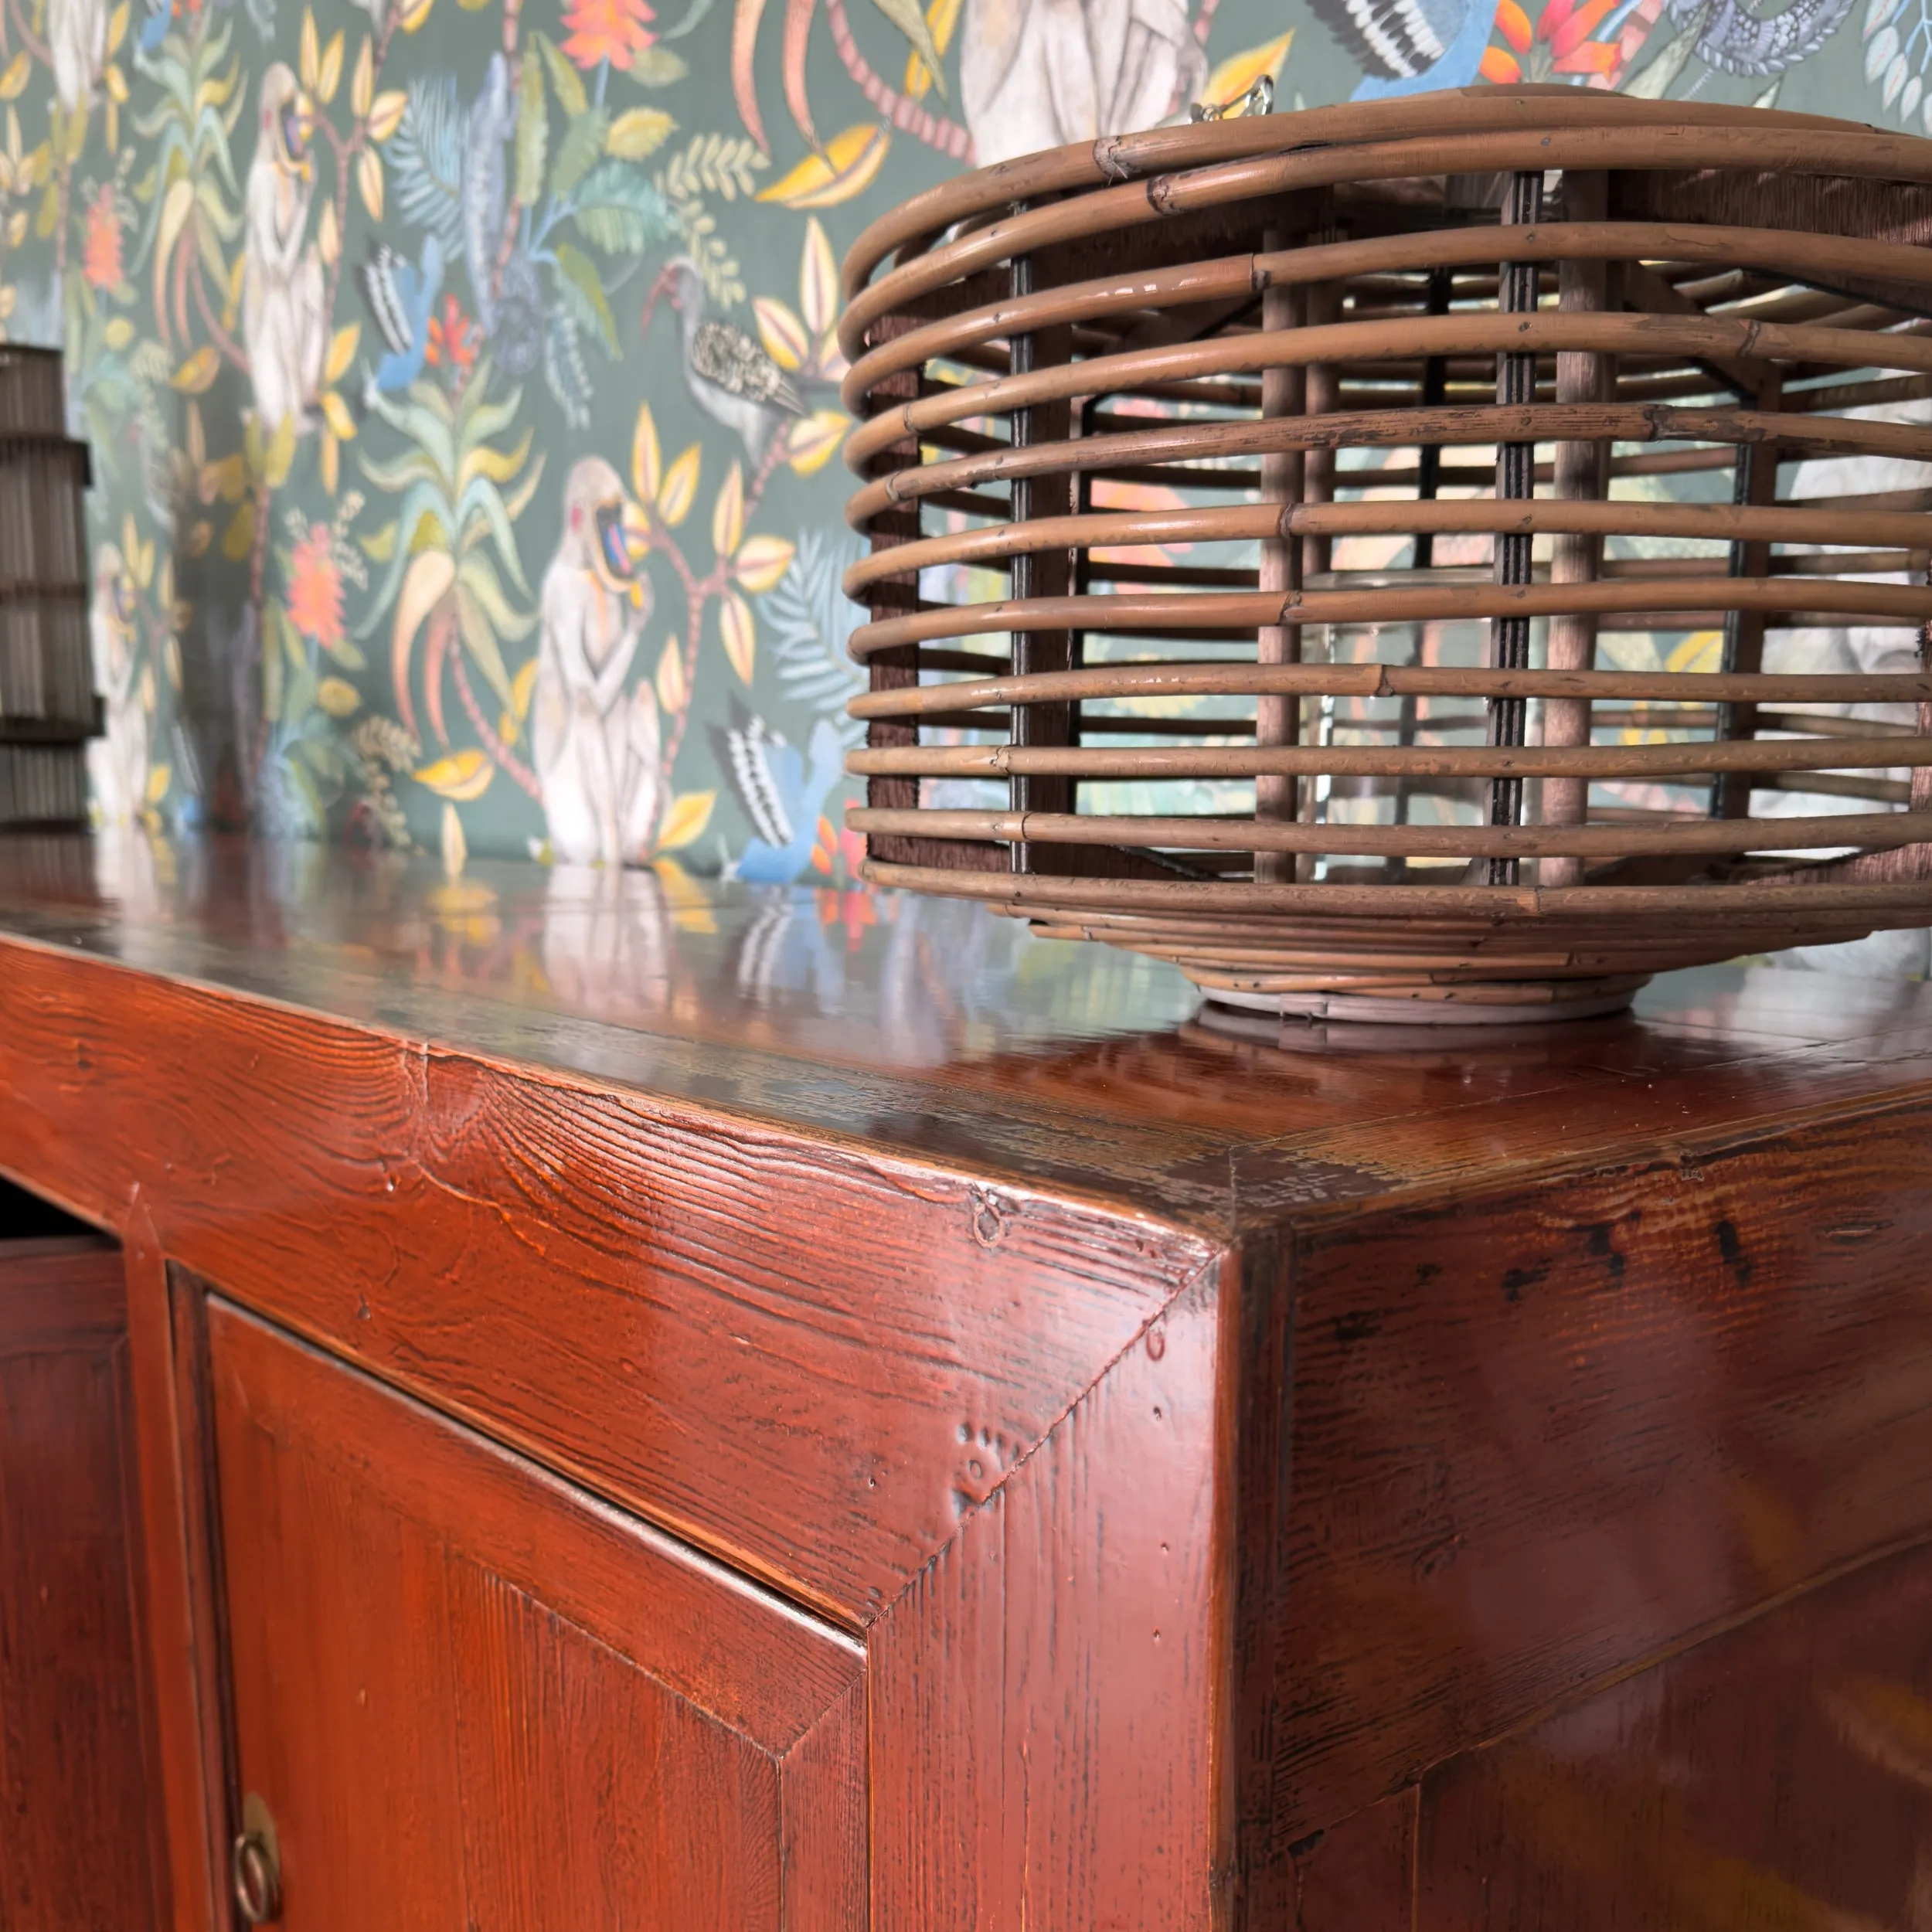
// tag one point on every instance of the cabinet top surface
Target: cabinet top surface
(937, 1031)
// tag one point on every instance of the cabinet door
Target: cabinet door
(74, 1815)
(471, 1697)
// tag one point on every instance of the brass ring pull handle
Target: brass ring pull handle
(254, 1867)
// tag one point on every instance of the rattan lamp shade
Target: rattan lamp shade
(1451, 555)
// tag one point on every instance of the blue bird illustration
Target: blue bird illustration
(781, 798)
(1410, 46)
(154, 29)
(400, 297)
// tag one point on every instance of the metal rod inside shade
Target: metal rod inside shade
(1515, 478)
(1754, 485)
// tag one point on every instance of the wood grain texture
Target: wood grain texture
(1540, 1436)
(183, 1666)
(1070, 1642)
(593, 1275)
(469, 1695)
(1359, 1876)
(1776, 1775)
(1005, 1329)
(76, 1850)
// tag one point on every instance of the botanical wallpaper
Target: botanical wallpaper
(461, 378)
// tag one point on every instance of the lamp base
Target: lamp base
(1493, 1003)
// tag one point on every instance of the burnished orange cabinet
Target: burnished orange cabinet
(465, 1695)
(643, 1449)
(76, 1849)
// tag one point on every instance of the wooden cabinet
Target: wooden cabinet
(678, 1440)
(470, 1696)
(75, 1855)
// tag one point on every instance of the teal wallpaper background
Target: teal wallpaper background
(460, 373)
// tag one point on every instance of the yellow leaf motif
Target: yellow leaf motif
(197, 374)
(640, 132)
(331, 463)
(117, 29)
(463, 775)
(428, 578)
(342, 351)
(309, 61)
(673, 692)
(739, 634)
(782, 333)
(361, 89)
(845, 167)
(159, 778)
(1702, 651)
(690, 906)
(646, 465)
(417, 14)
(341, 425)
(15, 80)
(818, 281)
(812, 439)
(761, 561)
(728, 514)
(689, 813)
(331, 76)
(521, 687)
(281, 453)
(941, 18)
(239, 538)
(329, 238)
(680, 488)
(386, 114)
(1237, 74)
(369, 178)
(337, 696)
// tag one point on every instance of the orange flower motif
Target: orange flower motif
(612, 30)
(454, 339)
(100, 249)
(316, 587)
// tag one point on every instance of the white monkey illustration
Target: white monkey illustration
(597, 748)
(77, 45)
(1036, 74)
(116, 760)
(285, 330)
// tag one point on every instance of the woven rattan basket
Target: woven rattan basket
(1449, 556)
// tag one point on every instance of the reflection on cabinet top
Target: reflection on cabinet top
(939, 1031)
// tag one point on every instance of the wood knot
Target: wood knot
(989, 1217)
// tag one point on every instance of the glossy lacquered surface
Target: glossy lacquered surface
(1260, 1474)
(937, 1028)
(75, 1844)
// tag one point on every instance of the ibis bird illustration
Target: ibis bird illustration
(781, 797)
(729, 376)
(400, 296)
